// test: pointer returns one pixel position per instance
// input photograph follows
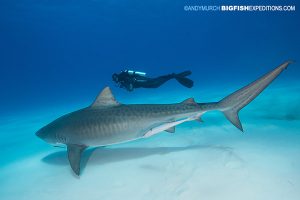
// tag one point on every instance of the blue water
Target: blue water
(55, 56)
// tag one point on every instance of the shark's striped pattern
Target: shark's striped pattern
(108, 122)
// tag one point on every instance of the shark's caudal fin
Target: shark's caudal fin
(233, 103)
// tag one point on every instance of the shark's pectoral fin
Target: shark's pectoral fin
(171, 129)
(74, 156)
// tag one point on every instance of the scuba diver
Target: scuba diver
(129, 79)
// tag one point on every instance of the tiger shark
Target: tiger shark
(107, 122)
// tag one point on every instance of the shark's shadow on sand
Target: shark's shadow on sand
(102, 155)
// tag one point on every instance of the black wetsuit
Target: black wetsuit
(131, 81)
(146, 82)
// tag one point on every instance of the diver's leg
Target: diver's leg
(156, 82)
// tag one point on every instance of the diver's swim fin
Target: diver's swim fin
(183, 74)
(185, 82)
(181, 78)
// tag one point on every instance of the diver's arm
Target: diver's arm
(129, 84)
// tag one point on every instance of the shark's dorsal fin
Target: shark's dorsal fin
(189, 101)
(105, 98)
(74, 155)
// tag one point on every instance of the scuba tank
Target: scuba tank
(131, 72)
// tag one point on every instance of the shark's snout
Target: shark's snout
(40, 134)
(48, 134)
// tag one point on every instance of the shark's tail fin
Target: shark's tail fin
(233, 103)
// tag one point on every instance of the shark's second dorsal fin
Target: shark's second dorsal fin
(189, 101)
(105, 98)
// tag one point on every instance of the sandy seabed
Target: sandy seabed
(212, 160)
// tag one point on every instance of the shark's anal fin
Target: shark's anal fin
(74, 156)
(171, 129)
(199, 120)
